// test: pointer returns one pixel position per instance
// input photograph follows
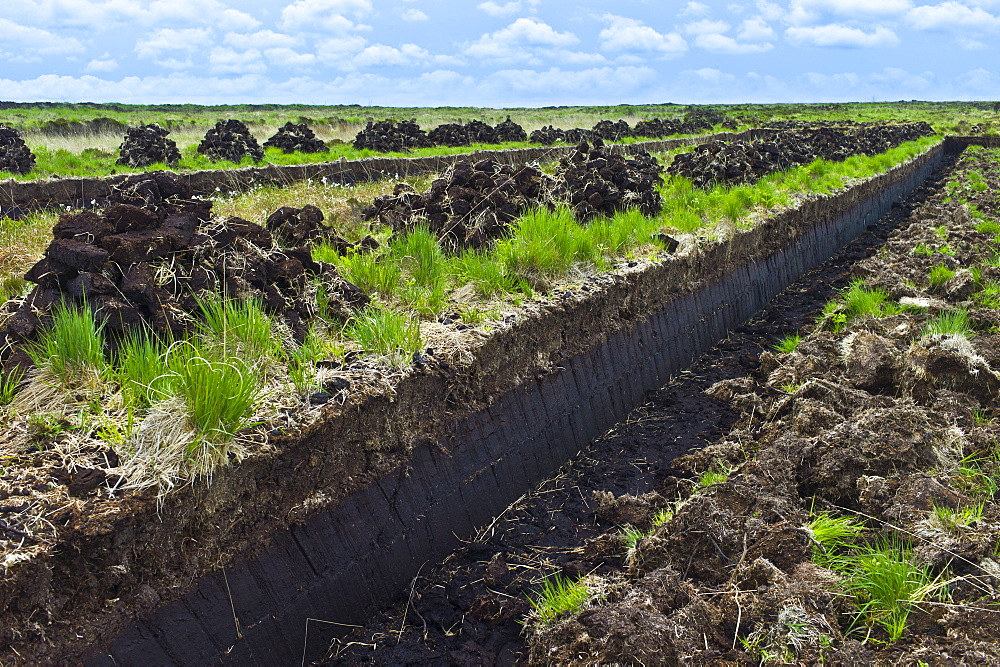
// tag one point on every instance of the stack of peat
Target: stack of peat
(146, 145)
(385, 136)
(15, 156)
(594, 181)
(450, 134)
(612, 131)
(296, 138)
(230, 140)
(144, 263)
(472, 204)
(508, 131)
(469, 206)
(747, 161)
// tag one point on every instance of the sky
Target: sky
(497, 53)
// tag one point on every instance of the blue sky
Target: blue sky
(497, 53)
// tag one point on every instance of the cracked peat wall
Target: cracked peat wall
(469, 445)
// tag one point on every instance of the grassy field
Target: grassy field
(83, 139)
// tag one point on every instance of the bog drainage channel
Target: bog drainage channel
(341, 566)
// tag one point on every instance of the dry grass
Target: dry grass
(341, 204)
(23, 241)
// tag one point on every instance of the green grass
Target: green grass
(979, 475)
(385, 333)
(717, 475)
(887, 584)
(788, 343)
(856, 302)
(220, 391)
(73, 345)
(558, 597)
(833, 537)
(141, 370)
(939, 275)
(9, 384)
(957, 519)
(952, 322)
(241, 327)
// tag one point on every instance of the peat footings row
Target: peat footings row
(21, 196)
(587, 359)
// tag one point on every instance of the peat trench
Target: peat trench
(345, 565)
(469, 608)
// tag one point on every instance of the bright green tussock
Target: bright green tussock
(955, 322)
(141, 370)
(241, 327)
(73, 345)
(558, 596)
(385, 333)
(887, 584)
(220, 392)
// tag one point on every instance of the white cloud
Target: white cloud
(21, 42)
(981, 81)
(338, 51)
(717, 43)
(706, 27)
(899, 78)
(186, 12)
(544, 85)
(770, 10)
(285, 57)
(710, 75)
(971, 44)
(755, 30)
(857, 7)
(495, 9)
(261, 39)
(694, 9)
(224, 60)
(381, 55)
(326, 14)
(102, 64)
(625, 34)
(838, 35)
(522, 40)
(413, 14)
(168, 40)
(950, 15)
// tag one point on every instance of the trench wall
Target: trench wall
(22, 196)
(344, 564)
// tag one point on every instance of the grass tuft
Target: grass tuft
(954, 323)
(385, 333)
(558, 596)
(788, 343)
(73, 345)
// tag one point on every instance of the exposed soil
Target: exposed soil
(865, 431)
(386, 136)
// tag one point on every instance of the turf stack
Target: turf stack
(295, 138)
(386, 136)
(469, 206)
(146, 145)
(594, 181)
(15, 156)
(149, 257)
(230, 140)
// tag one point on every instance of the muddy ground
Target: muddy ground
(867, 422)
